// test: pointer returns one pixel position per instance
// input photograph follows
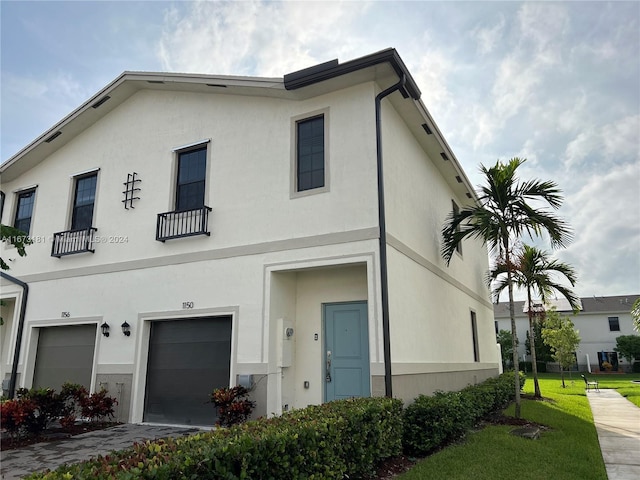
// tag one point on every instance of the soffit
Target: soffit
(118, 92)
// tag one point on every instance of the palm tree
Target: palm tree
(635, 315)
(500, 217)
(534, 271)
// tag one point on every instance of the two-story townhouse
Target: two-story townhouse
(599, 321)
(198, 231)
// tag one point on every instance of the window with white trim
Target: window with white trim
(84, 201)
(24, 210)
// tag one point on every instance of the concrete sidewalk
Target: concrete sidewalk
(617, 421)
(17, 463)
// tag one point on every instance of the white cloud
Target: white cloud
(488, 38)
(622, 139)
(256, 37)
(606, 219)
(544, 24)
(432, 73)
(53, 96)
(611, 143)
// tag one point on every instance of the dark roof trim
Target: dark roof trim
(332, 69)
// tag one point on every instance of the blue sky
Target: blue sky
(555, 82)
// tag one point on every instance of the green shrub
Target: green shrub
(15, 415)
(49, 406)
(635, 368)
(432, 422)
(335, 440)
(97, 406)
(232, 405)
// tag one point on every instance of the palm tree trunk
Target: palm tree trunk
(532, 346)
(514, 335)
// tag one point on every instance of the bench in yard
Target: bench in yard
(590, 384)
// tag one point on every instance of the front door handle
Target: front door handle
(328, 377)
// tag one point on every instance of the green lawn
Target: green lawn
(568, 449)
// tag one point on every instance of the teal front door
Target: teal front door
(346, 357)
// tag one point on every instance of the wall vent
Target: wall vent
(427, 129)
(444, 156)
(53, 137)
(100, 102)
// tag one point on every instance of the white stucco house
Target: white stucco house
(599, 321)
(197, 231)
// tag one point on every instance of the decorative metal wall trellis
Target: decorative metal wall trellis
(131, 190)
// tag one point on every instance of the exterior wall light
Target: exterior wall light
(126, 329)
(105, 329)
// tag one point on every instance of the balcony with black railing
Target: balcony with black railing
(73, 241)
(184, 223)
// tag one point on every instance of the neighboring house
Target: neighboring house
(599, 321)
(230, 226)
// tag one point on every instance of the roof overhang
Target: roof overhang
(116, 93)
(384, 68)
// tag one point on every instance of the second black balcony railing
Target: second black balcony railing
(185, 223)
(73, 241)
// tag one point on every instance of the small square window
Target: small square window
(614, 324)
(24, 210)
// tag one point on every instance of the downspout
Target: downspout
(384, 284)
(16, 354)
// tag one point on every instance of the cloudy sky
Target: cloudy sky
(555, 82)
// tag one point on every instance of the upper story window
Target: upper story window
(83, 201)
(310, 154)
(614, 324)
(190, 186)
(24, 210)
(190, 216)
(310, 151)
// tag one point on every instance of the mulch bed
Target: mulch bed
(52, 434)
(394, 466)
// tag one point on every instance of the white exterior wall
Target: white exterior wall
(273, 258)
(249, 159)
(593, 329)
(428, 300)
(254, 224)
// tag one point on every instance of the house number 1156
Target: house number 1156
(187, 305)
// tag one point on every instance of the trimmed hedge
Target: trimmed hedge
(333, 440)
(432, 422)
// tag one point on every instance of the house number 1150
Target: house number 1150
(187, 305)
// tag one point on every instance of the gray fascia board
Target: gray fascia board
(332, 69)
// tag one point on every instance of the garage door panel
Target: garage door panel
(187, 355)
(188, 359)
(64, 354)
